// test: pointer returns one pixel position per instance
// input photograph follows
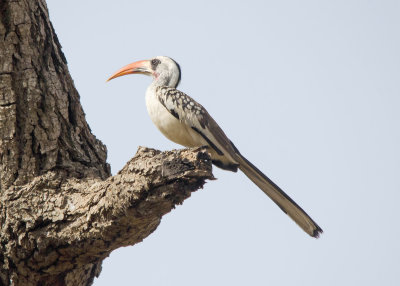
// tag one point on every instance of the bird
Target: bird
(184, 121)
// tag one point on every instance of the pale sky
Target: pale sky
(309, 91)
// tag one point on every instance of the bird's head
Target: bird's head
(164, 70)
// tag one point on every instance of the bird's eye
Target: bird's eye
(155, 63)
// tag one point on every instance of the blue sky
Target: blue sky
(307, 90)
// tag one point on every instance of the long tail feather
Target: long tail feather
(293, 210)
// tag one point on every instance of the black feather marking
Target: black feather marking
(228, 167)
(219, 152)
(173, 112)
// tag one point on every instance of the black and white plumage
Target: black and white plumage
(184, 121)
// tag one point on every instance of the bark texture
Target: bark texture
(43, 125)
(61, 213)
(58, 229)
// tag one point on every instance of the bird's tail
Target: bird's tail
(293, 210)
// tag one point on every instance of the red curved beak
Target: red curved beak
(136, 67)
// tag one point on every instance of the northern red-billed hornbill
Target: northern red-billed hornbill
(184, 121)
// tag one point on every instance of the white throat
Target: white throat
(166, 78)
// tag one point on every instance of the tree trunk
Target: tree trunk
(61, 213)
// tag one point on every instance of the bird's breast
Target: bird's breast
(169, 125)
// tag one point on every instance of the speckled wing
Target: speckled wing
(193, 114)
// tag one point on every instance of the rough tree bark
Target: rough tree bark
(61, 213)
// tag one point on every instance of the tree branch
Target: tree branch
(81, 221)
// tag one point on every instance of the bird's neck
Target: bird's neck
(166, 79)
